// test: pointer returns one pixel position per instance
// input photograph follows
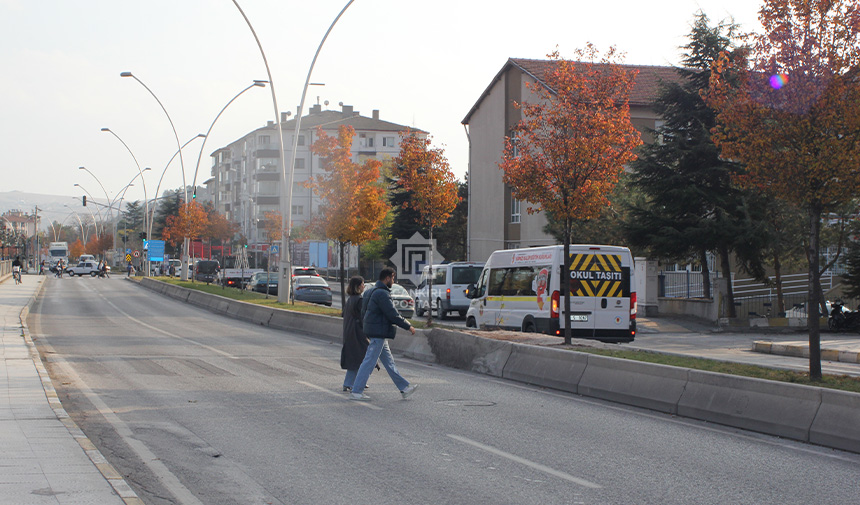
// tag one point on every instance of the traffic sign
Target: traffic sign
(137, 254)
(275, 248)
(128, 258)
(128, 251)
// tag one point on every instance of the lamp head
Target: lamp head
(105, 129)
(261, 84)
(125, 74)
(82, 168)
(147, 169)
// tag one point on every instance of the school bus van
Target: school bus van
(519, 289)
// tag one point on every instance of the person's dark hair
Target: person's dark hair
(354, 285)
(386, 273)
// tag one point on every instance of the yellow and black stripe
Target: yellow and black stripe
(598, 275)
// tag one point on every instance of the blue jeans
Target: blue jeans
(349, 380)
(378, 350)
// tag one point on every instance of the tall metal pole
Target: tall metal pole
(184, 274)
(287, 176)
(158, 187)
(140, 171)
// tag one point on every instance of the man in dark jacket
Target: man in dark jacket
(380, 318)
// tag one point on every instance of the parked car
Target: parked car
(206, 270)
(260, 281)
(299, 271)
(450, 281)
(307, 288)
(402, 300)
(90, 268)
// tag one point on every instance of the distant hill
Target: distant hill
(51, 207)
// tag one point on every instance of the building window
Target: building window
(298, 210)
(265, 139)
(515, 210)
(301, 140)
(369, 141)
(388, 142)
(300, 163)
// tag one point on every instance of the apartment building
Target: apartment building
(246, 175)
(496, 220)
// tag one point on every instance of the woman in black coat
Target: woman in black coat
(354, 341)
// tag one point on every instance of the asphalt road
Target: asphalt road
(196, 408)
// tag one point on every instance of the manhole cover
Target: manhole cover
(466, 403)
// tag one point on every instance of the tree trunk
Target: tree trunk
(706, 274)
(814, 293)
(342, 283)
(777, 275)
(430, 286)
(565, 282)
(726, 267)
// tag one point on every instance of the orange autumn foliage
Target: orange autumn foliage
(190, 222)
(354, 201)
(425, 172)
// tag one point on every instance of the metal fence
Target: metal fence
(752, 298)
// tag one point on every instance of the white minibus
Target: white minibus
(519, 289)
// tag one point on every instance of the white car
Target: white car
(90, 268)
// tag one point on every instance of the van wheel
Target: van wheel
(529, 327)
(470, 323)
(462, 313)
(443, 314)
(93, 274)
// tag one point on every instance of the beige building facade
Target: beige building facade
(496, 220)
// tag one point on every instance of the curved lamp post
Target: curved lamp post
(255, 84)
(184, 275)
(139, 170)
(107, 198)
(158, 187)
(287, 176)
(98, 211)
(92, 216)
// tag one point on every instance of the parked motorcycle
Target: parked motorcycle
(841, 318)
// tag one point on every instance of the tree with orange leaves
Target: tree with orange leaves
(789, 109)
(567, 153)
(190, 222)
(354, 200)
(77, 249)
(424, 172)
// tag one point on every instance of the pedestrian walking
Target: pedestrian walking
(378, 323)
(354, 341)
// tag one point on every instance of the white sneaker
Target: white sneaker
(406, 393)
(359, 397)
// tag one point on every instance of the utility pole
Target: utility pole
(37, 260)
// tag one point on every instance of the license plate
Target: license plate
(579, 317)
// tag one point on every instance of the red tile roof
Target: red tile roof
(644, 91)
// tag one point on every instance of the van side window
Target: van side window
(516, 281)
(439, 276)
(481, 287)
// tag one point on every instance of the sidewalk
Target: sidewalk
(46, 458)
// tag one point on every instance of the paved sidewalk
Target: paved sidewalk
(45, 458)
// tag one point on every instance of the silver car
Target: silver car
(402, 300)
(311, 289)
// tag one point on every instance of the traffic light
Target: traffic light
(142, 235)
(194, 196)
(85, 200)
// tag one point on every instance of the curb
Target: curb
(802, 351)
(114, 478)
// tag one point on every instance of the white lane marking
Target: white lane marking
(167, 333)
(167, 478)
(333, 393)
(523, 461)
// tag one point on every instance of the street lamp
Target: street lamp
(145, 197)
(158, 187)
(110, 214)
(287, 177)
(256, 83)
(98, 210)
(184, 274)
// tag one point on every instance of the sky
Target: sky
(421, 64)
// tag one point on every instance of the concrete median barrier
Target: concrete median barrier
(837, 423)
(328, 328)
(413, 346)
(655, 387)
(776, 408)
(552, 368)
(468, 352)
(257, 314)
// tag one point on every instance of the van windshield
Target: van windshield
(465, 275)
(207, 267)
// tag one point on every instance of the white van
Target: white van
(519, 289)
(450, 281)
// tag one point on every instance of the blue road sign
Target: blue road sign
(156, 250)
(275, 248)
